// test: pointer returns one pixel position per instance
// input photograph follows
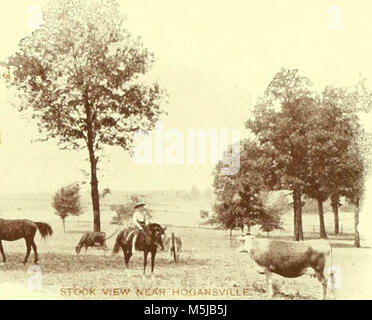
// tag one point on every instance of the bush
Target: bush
(204, 214)
(66, 202)
(124, 212)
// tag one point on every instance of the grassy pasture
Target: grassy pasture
(208, 262)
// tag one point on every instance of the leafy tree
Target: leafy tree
(361, 162)
(329, 136)
(270, 220)
(81, 74)
(347, 103)
(357, 187)
(239, 202)
(327, 142)
(335, 134)
(280, 124)
(66, 202)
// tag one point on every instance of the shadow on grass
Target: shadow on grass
(278, 293)
(65, 263)
(296, 296)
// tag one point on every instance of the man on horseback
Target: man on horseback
(140, 220)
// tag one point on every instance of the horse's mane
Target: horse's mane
(151, 225)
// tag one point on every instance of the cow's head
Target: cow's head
(245, 242)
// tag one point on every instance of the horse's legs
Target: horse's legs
(153, 254)
(2, 252)
(127, 255)
(34, 248)
(28, 245)
(134, 240)
(145, 253)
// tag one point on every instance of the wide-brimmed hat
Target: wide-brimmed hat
(139, 204)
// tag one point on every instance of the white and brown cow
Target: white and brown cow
(289, 259)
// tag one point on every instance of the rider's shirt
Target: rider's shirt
(139, 217)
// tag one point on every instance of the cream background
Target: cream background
(214, 58)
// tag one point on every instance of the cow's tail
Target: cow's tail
(117, 244)
(44, 229)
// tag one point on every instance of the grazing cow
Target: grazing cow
(289, 259)
(92, 239)
(173, 245)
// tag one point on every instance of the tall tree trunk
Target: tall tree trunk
(356, 226)
(335, 201)
(93, 167)
(297, 216)
(322, 229)
(95, 196)
(64, 224)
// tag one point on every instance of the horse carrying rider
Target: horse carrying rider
(140, 220)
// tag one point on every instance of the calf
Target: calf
(173, 245)
(91, 239)
(288, 259)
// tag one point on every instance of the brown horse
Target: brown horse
(148, 241)
(11, 230)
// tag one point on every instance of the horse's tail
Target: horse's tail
(44, 229)
(117, 245)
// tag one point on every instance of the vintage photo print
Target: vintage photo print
(185, 150)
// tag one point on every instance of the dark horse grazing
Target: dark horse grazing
(11, 230)
(148, 241)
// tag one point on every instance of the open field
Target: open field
(208, 261)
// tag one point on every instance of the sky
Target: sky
(213, 57)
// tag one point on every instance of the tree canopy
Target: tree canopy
(315, 141)
(66, 202)
(81, 76)
(239, 201)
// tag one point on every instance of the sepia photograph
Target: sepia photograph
(185, 150)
